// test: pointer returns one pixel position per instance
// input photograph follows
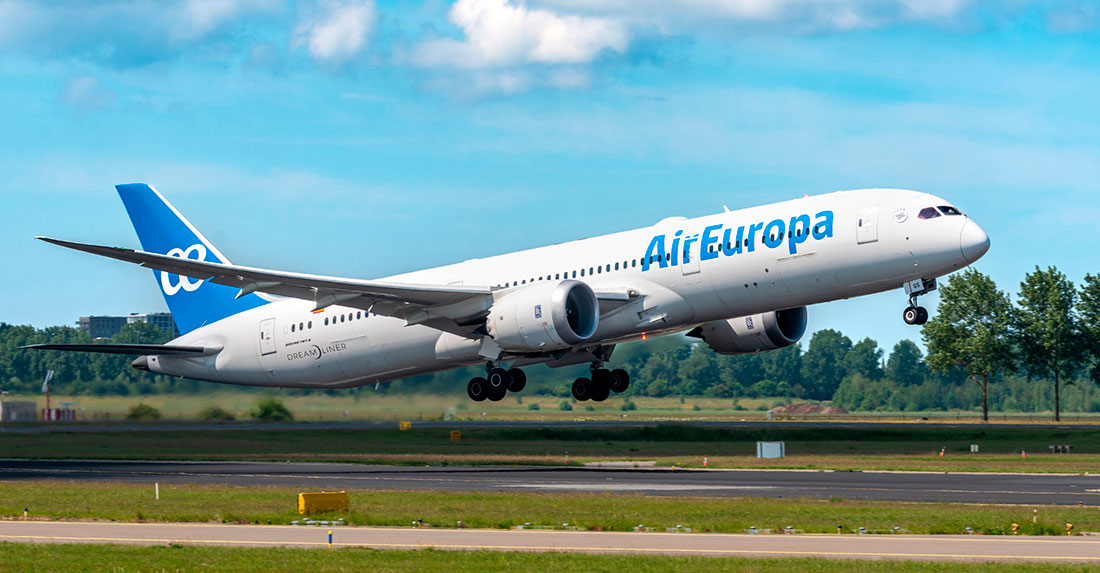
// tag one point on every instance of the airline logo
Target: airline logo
(717, 240)
(185, 283)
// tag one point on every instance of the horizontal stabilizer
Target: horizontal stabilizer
(138, 349)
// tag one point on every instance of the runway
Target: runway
(464, 424)
(901, 547)
(1057, 489)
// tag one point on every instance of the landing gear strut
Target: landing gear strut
(601, 384)
(915, 314)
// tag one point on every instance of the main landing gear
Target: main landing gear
(496, 383)
(915, 314)
(602, 383)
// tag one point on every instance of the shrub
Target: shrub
(271, 410)
(143, 412)
(628, 405)
(533, 406)
(216, 414)
(589, 408)
(565, 406)
(696, 407)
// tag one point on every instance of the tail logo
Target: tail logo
(185, 283)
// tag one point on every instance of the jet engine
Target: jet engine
(747, 334)
(544, 316)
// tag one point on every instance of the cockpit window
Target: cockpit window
(928, 213)
(949, 210)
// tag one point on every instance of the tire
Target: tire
(601, 392)
(477, 389)
(910, 315)
(497, 394)
(620, 380)
(498, 379)
(582, 389)
(517, 380)
(922, 315)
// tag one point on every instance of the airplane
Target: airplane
(739, 280)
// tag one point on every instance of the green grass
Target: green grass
(598, 511)
(382, 406)
(49, 557)
(851, 448)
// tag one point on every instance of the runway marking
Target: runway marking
(562, 548)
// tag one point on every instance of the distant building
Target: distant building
(101, 326)
(108, 326)
(161, 319)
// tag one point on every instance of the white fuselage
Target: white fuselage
(874, 242)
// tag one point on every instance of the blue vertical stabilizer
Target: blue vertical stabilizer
(163, 230)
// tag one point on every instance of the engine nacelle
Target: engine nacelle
(755, 333)
(544, 316)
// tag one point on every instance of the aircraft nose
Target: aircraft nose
(973, 241)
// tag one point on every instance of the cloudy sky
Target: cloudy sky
(363, 138)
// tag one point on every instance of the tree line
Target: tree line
(983, 350)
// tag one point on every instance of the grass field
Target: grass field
(854, 448)
(25, 557)
(368, 405)
(599, 512)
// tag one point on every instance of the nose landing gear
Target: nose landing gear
(915, 314)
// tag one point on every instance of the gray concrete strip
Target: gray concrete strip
(1019, 489)
(898, 547)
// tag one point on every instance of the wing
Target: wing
(139, 349)
(456, 309)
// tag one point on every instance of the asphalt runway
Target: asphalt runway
(40, 428)
(1022, 489)
(900, 547)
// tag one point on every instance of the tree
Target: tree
(1046, 327)
(822, 365)
(865, 359)
(1088, 306)
(971, 331)
(905, 365)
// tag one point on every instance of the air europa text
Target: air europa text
(727, 241)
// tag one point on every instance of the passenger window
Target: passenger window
(616, 266)
(309, 325)
(590, 269)
(928, 213)
(633, 263)
(358, 315)
(292, 327)
(599, 269)
(949, 210)
(301, 326)
(582, 272)
(608, 267)
(326, 321)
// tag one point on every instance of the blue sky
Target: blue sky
(361, 139)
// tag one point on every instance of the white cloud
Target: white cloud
(795, 15)
(338, 32)
(499, 33)
(86, 93)
(195, 19)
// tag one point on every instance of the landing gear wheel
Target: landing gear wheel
(582, 389)
(478, 389)
(620, 380)
(915, 315)
(517, 380)
(497, 394)
(498, 379)
(601, 385)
